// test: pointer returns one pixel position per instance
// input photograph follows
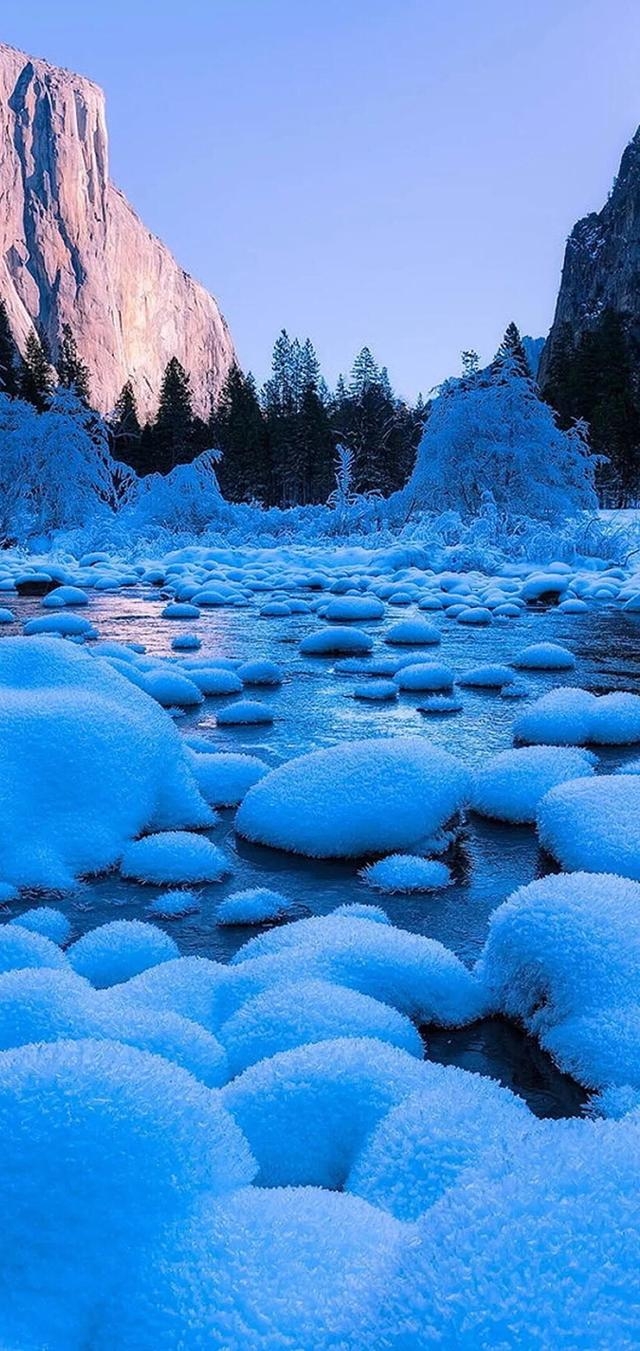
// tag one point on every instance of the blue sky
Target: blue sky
(401, 173)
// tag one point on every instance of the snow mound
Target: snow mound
(87, 762)
(191, 986)
(438, 704)
(413, 632)
(64, 595)
(174, 856)
(545, 657)
(406, 873)
(224, 779)
(244, 712)
(64, 625)
(487, 677)
(323, 1101)
(116, 951)
(331, 640)
(309, 1011)
(421, 1147)
(356, 798)
(103, 1146)
(170, 688)
(535, 1247)
(43, 919)
(46, 1005)
(563, 717)
(358, 910)
(563, 956)
(186, 642)
(416, 975)
(509, 786)
(347, 609)
(276, 609)
(302, 1268)
(180, 610)
(255, 905)
(174, 904)
(477, 615)
(215, 680)
(545, 585)
(21, 948)
(616, 719)
(376, 689)
(260, 672)
(594, 824)
(425, 675)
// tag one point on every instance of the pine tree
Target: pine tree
(9, 356)
(36, 382)
(281, 397)
(238, 428)
(73, 373)
(317, 446)
(364, 373)
(512, 351)
(125, 429)
(374, 425)
(593, 380)
(173, 427)
(470, 364)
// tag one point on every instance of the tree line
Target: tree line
(595, 378)
(279, 444)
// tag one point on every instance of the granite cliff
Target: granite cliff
(72, 249)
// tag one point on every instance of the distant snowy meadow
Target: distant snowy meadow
(288, 832)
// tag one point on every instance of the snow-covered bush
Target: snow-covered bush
(189, 498)
(491, 437)
(56, 470)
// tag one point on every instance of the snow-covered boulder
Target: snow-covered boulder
(406, 873)
(324, 1100)
(413, 632)
(563, 717)
(593, 824)
(103, 1146)
(223, 779)
(545, 657)
(244, 712)
(414, 974)
(116, 951)
(332, 640)
(563, 956)
(307, 1011)
(254, 905)
(87, 761)
(510, 785)
(356, 798)
(174, 856)
(424, 1143)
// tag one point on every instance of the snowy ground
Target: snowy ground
(272, 822)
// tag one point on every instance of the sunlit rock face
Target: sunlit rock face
(73, 250)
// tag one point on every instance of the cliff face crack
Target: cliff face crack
(73, 251)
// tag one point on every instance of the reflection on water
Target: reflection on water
(313, 709)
